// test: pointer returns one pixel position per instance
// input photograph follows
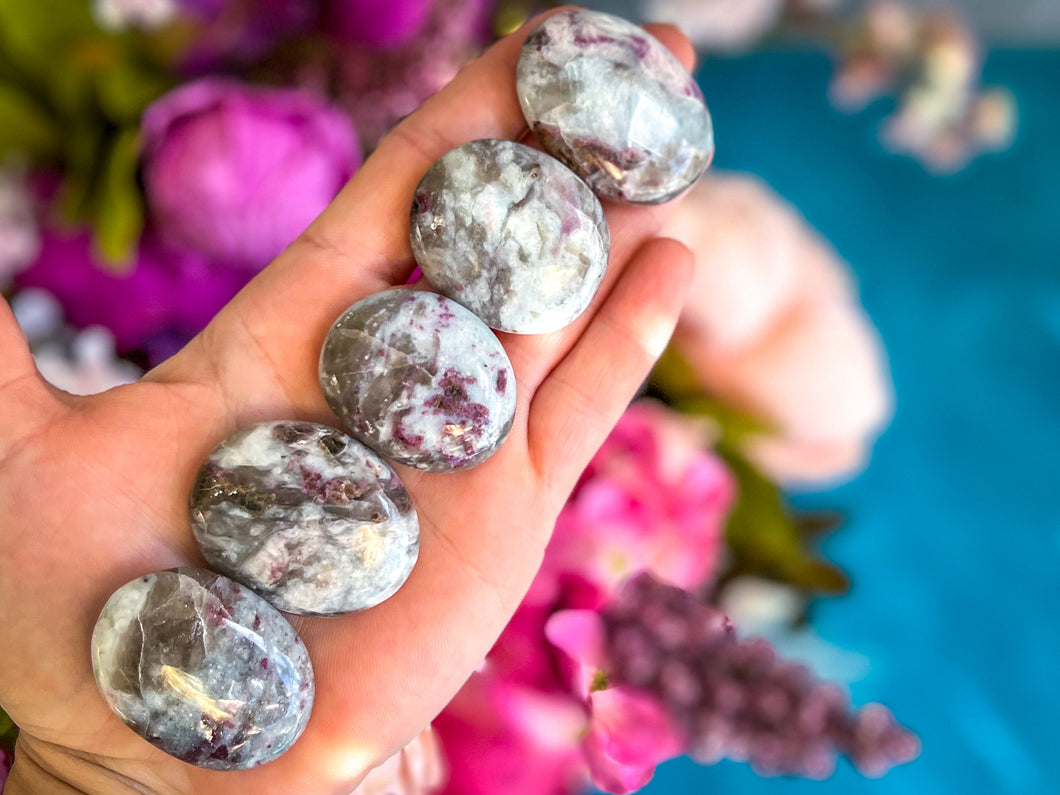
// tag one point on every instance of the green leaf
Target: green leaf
(119, 206)
(765, 538)
(125, 89)
(8, 731)
(25, 126)
(84, 152)
(672, 377)
(734, 426)
(676, 383)
(34, 32)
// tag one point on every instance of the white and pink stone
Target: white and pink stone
(614, 104)
(309, 518)
(512, 234)
(419, 379)
(203, 668)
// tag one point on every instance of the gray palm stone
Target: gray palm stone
(203, 668)
(610, 101)
(309, 518)
(419, 379)
(512, 234)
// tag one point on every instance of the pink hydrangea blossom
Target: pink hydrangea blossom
(236, 172)
(500, 736)
(652, 498)
(539, 718)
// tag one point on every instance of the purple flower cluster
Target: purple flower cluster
(734, 698)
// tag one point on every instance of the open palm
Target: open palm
(93, 491)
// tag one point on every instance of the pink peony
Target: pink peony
(160, 304)
(237, 172)
(417, 769)
(652, 498)
(773, 326)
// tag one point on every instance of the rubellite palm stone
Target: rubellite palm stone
(615, 105)
(512, 234)
(203, 668)
(419, 379)
(309, 518)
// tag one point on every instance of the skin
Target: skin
(93, 490)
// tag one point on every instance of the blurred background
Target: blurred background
(854, 435)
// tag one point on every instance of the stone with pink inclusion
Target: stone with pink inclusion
(615, 105)
(419, 379)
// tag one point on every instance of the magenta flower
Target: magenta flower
(377, 23)
(5, 767)
(651, 499)
(377, 86)
(499, 736)
(237, 172)
(161, 303)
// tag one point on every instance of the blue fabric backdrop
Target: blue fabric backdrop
(953, 541)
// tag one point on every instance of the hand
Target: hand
(93, 491)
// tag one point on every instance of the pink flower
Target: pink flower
(5, 767)
(499, 736)
(237, 172)
(379, 87)
(773, 326)
(629, 733)
(417, 769)
(652, 498)
(377, 23)
(156, 307)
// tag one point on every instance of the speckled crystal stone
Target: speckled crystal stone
(419, 379)
(203, 668)
(512, 234)
(309, 518)
(615, 105)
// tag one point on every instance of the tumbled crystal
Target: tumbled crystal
(203, 668)
(610, 101)
(510, 233)
(419, 379)
(309, 518)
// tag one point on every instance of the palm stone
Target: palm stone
(419, 379)
(614, 104)
(308, 517)
(203, 668)
(512, 234)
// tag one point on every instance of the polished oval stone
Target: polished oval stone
(203, 668)
(512, 234)
(419, 379)
(610, 101)
(309, 518)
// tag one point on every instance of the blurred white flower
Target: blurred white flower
(79, 362)
(417, 769)
(19, 236)
(717, 24)
(116, 15)
(933, 63)
(773, 326)
(764, 609)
